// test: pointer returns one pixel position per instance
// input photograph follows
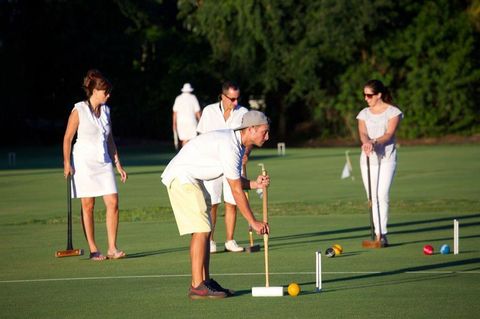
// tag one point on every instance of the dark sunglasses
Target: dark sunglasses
(232, 99)
(369, 95)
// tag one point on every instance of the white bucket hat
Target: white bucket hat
(187, 88)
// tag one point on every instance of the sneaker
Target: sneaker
(232, 246)
(216, 286)
(384, 241)
(205, 292)
(213, 247)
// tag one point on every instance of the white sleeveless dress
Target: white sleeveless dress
(94, 175)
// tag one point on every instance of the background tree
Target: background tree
(308, 59)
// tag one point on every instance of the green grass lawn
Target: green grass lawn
(310, 209)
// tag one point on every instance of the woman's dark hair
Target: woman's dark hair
(378, 87)
(95, 80)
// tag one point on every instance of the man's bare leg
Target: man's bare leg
(230, 220)
(200, 258)
(213, 216)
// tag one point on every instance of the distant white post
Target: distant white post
(318, 281)
(455, 236)
(281, 149)
(12, 159)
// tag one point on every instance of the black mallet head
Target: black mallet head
(252, 249)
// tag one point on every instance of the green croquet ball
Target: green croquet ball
(330, 252)
(293, 289)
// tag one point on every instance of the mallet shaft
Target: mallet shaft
(265, 236)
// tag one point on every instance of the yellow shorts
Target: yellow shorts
(191, 207)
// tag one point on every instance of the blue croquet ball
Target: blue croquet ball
(445, 249)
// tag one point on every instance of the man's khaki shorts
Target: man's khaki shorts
(191, 207)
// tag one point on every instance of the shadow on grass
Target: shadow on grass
(287, 156)
(366, 231)
(276, 246)
(156, 252)
(388, 283)
(396, 272)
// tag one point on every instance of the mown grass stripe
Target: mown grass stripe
(231, 274)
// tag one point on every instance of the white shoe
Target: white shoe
(213, 247)
(232, 246)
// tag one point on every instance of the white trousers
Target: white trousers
(381, 177)
(215, 187)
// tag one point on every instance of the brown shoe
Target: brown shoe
(216, 286)
(205, 292)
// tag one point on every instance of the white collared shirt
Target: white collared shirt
(186, 105)
(212, 118)
(206, 157)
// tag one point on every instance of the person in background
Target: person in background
(377, 125)
(94, 155)
(186, 113)
(204, 158)
(226, 113)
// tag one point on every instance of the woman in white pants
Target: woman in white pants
(377, 125)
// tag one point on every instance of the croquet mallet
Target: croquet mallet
(372, 243)
(252, 248)
(266, 291)
(69, 252)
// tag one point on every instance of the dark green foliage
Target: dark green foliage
(308, 59)
(315, 56)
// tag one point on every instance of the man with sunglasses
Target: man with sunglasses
(225, 114)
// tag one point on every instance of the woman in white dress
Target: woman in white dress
(377, 125)
(94, 155)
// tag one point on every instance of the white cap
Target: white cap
(253, 118)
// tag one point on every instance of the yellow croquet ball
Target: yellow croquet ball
(338, 247)
(337, 251)
(293, 289)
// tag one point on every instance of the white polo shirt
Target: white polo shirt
(186, 106)
(212, 118)
(206, 157)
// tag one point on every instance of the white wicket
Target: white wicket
(455, 236)
(12, 159)
(281, 149)
(318, 280)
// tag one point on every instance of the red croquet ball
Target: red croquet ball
(428, 250)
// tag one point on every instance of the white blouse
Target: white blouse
(377, 125)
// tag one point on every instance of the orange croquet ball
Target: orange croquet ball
(293, 289)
